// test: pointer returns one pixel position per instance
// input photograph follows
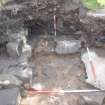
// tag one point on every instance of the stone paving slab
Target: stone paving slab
(10, 96)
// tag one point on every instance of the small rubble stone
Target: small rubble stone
(10, 96)
(100, 41)
(27, 50)
(68, 46)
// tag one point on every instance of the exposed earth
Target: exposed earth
(32, 55)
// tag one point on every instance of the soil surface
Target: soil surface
(53, 72)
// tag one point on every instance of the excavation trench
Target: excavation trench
(49, 60)
(52, 71)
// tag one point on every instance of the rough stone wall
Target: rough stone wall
(71, 18)
(16, 12)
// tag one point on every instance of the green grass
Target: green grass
(93, 4)
(2, 2)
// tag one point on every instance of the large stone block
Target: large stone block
(68, 46)
(14, 49)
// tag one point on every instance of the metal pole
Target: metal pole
(55, 24)
(49, 92)
(91, 64)
(81, 91)
(55, 33)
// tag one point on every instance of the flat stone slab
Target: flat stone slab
(98, 14)
(10, 96)
(97, 63)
